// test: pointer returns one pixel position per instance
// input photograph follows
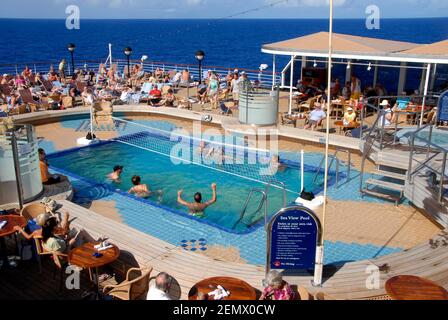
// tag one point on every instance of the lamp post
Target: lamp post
(200, 56)
(128, 52)
(71, 48)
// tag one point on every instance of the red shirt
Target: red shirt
(156, 93)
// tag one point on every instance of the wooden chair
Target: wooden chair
(60, 261)
(135, 287)
(32, 210)
(41, 252)
(303, 293)
(323, 296)
(308, 104)
(27, 99)
(284, 121)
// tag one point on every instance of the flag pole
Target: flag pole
(318, 270)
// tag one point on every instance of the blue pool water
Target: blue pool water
(159, 172)
(438, 136)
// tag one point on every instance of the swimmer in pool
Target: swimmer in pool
(141, 190)
(115, 176)
(197, 207)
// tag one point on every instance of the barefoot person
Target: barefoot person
(115, 176)
(197, 207)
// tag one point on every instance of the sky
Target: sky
(172, 9)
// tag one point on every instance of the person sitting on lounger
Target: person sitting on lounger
(115, 176)
(197, 207)
(169, 99)
(156, 96)
(315, 117)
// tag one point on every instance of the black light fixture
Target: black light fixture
(71, 48)
(128, 52)
(200, 56)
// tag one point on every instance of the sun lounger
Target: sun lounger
(27, 98)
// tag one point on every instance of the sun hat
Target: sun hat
(243, 72)
(384, 103)
(349, 109)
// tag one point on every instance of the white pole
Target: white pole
(302, 170)
(273, 71)
(290, 84)
(425, 92)
(318, 270)
(110, 54)
(91, 120)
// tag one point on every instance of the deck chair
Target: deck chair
(47, 85)
(307, 105)
(67, 102)
(135, 287)
(27, 99)
(41, 252)
(284, 121)
(5, 89)
(60, 262)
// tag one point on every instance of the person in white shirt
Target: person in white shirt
(315, 117)
(235, 88)
(387, 116)
(160, 290)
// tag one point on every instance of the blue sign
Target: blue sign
(293, 238)
(443, 107)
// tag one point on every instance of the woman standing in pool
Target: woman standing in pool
(141, 190)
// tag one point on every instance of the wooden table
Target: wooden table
(239, 289)
(83, 257)
(347, 127)
(7, 230)
(414, 288)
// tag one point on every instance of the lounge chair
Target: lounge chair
(144, 91)
(284, 121)
(135, 287)
(227, 110)
(27, 98)
(67, 102)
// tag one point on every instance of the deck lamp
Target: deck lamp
(200, 56)
(71, 48)
(349, 65)
(369, 67)
(315, 64)
(128, 52)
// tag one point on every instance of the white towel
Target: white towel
(220, 293)
(2, 224)
(105, 248)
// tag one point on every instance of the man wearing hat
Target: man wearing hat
(115, 176)
(387, 115)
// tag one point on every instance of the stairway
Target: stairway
(389, 186)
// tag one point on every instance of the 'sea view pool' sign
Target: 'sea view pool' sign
(443, 107)
(293, 236)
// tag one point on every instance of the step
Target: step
(390, 174)
(377, 194)
(385, 184)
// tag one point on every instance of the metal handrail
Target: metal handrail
(282, 184)
(264, 200)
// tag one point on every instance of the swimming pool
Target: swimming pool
(156, 168)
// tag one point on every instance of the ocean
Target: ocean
(228, 43)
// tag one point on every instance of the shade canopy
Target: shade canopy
(355, 47)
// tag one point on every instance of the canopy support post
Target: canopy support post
(291, 84)
(425, 92)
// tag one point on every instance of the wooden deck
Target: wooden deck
(346, 282)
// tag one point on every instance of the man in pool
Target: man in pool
(115, 176)
(197, 207)
(142, 190)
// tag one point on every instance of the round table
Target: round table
(239, 289)
(414, 288)
(342, 126)
(83, 257)
(8, 229)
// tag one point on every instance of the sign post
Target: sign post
(442, 108)
(294, 234)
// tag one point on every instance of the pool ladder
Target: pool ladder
(263, 201)
(339, 162)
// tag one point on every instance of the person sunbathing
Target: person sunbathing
(197, 207)
(169, 99)
(156, 96)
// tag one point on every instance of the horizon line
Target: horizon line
(272, 18)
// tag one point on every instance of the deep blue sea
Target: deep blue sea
(227, 43)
